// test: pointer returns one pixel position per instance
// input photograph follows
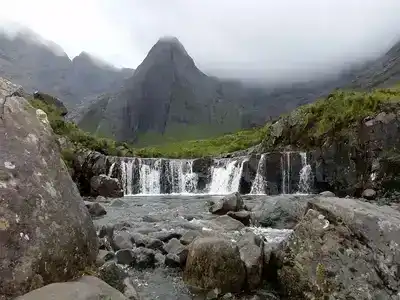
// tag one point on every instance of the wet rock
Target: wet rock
(369, 194)
(165, 236)
(214, 263)
(242, 216)
(101, 199)
(189, 236)
(105, 186)
(252, 256)
(249, 238)
(107, 231)
(103, 257)
(122, 240)
(327, 194)
(95, 209)
(85, 288)
(175, 247)
(160, 259)
(228, 223)
(113, 275)
(125, 257)
(281, 212)
(233, 202)
(104, 244)
(145, 258)
(172, 260)
(213, 294)
(43, 219)
(121, 226)
(147, 242)
(151, 219)
(118, 203)
(130, 290)
(344, 249)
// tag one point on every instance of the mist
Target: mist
(266, 40)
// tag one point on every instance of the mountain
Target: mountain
(37, 64)
(167, 97)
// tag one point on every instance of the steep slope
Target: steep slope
(37, 64)
(167, 97)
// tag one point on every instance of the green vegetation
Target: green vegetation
(336, 117)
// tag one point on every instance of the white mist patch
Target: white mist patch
(272, 235)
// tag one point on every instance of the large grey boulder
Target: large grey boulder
(85, 288)
(105, 186)
(214, 263)
(281, 212)
(342, 249)
(232, 202)
(46, 233)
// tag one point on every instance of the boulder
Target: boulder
(175, 247)
(103, 256)
(145, 258)
(85, 288)
(233, 202)
(327, 194)
(242, 216)
(228, 223)
(122, 240)
(103, 185)
(342, 249)
(113, 275)
(189, 236)
(369, 194)
(95, 209)
(125, 257)
(165, 236)
(281, 212)
(46, 232)
(214, 263)
(130, 290)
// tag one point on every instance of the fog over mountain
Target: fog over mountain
(268, 40)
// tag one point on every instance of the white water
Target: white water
(259, 183)
(127, 176)
(305, 175)
(111, 169)
(149, 173)
(225, 177)
(183, 179)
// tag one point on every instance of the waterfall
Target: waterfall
(111, 169)
(305, 175)
(259, 183)
(183, 179)
(149, 174)
(127, 176)
(225, 176)
(286, 170)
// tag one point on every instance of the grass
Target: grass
(336, 117)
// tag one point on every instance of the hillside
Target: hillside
(36, 64)
(169, 99)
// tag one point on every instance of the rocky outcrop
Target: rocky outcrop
(342, 248)
(85, 288)
(105, 186)
(233, 202)
(46, 233)
(214, 263)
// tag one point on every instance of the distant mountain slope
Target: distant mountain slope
(36, 64)
(167, 97)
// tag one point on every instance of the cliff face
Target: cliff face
(167, 96)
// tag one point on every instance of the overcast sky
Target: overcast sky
(249, 38)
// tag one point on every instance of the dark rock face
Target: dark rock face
(85, 288)
(46, 230)
(342, 248)
(202, 167)
(95, 209)
(214, 263)
(242, 216)
(105, 186)
(249, 172)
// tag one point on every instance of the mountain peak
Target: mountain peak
(87, 59)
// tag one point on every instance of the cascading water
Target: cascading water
(111, 169)
(305, 175)
(225, 176)
(127, 176)
(183, 179)
(259, 183)
(150, 174)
